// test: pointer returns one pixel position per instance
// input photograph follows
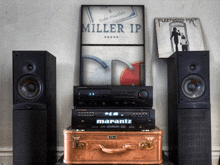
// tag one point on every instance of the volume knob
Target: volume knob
(143, 94)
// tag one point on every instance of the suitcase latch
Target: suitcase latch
(77, 144)
(148, 144)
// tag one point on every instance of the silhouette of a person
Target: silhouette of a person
(175, 34)
(184, 42)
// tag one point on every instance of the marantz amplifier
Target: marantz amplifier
(113, 119)
(113, 96)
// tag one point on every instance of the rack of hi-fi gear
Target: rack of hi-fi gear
(112, 121)
(124, 108)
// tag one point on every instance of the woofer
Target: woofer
(193, 86)
(29, 87)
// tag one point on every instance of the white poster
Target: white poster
(178, 34)
(112, 25)
(112, 45)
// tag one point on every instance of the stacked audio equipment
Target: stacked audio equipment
(189, 108)
(113, 125)
(34, 108)
(113, 108)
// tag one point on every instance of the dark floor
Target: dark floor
(165, 161)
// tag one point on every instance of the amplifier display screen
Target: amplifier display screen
(112, 114)
(114, 121)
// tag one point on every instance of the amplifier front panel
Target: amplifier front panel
(112, 119)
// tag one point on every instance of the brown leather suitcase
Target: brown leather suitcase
(104, 147)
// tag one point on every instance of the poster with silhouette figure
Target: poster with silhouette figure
(112, 45)
(178, 34)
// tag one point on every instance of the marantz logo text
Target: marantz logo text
(113, 121)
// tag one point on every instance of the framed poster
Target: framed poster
(112, 45)
(178, 34)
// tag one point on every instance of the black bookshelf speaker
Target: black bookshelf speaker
(189, 123)
(34, 108)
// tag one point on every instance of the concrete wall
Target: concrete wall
(55, 26)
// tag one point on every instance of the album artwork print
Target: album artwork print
(102, 67)
(178, 34)
(112, 45)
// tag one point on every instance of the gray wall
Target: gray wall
(54, 26)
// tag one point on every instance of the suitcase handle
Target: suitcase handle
(116, 150)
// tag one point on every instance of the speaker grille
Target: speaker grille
(30, 137)
(194, 136)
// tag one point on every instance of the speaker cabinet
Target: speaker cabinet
(189, 124)
(34, 108)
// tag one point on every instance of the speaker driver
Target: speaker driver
(29, 87)
(193, 86)
(29, 67)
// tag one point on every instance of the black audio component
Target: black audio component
(113, 96)
(113, 119)
(189, 122)
(34, 108)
